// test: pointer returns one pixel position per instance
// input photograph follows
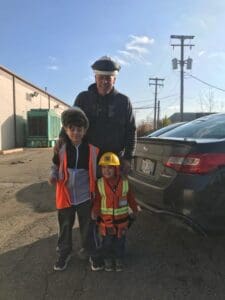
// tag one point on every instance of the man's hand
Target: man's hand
(125, 167)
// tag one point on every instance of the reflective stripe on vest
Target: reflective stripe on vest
(109, 210)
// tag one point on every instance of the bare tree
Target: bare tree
(207, 102)
(144, 128)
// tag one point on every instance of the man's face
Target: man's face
(104, 83)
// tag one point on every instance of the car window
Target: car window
(207, 127)
(164, 129)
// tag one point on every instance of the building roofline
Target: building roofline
(33, 85)
(193, 113)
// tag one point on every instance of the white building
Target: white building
(17, 96)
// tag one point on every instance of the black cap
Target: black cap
(74, 116)
(106, 66)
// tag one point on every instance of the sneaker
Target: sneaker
(62, 262)
(83, 254)
(108, 265)
(95, 266)
(119, 265)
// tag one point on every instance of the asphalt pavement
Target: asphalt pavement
(164, 259)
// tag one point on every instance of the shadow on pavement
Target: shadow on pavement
(27, 273)
(39, 196)
(163, 262)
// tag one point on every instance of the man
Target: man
(112, 124)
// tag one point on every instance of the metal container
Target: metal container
(43, 127)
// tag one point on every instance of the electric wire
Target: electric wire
(169, 96)
(204, 82)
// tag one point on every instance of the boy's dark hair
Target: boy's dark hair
(74, 116)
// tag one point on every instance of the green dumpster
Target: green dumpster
(43, 127)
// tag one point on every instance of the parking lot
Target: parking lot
(164, 259)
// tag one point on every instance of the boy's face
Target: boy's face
(75, 133)
(108, 171)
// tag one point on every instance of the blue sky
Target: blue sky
(52, 44)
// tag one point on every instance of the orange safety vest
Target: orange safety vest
(62, 193)
(113, 208)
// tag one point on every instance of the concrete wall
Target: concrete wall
(17, 96)
(7, 137)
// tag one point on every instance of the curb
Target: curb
(9, 151)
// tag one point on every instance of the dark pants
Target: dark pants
(95, 243)
(66, 219)
(113, 247)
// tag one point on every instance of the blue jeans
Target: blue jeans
(113, 247)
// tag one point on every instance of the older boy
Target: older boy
(74, 172)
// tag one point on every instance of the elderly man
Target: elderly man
(112, 124)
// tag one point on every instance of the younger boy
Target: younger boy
(111, 208)
(73, 171)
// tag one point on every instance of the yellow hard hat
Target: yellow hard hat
(109, 159)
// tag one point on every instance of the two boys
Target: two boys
(74, 172)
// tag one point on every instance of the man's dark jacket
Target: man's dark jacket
(112, 124)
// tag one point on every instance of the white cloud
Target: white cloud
(52, 63)
(138, 44)
(200, 53)
(140, 40)
(138, 49)
(53, 68)
(121, 61)
(135, 50)
(126, 54)
(220, 55)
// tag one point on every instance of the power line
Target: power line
(143, 107)
(206, 83)
(169, 96)
(137, 102)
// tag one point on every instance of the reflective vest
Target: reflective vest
(113, 208)
(62, 193)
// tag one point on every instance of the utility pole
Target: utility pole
(158, 115)
(156, 84)
(182, 62)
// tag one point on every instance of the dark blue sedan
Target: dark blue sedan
(181, 173)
